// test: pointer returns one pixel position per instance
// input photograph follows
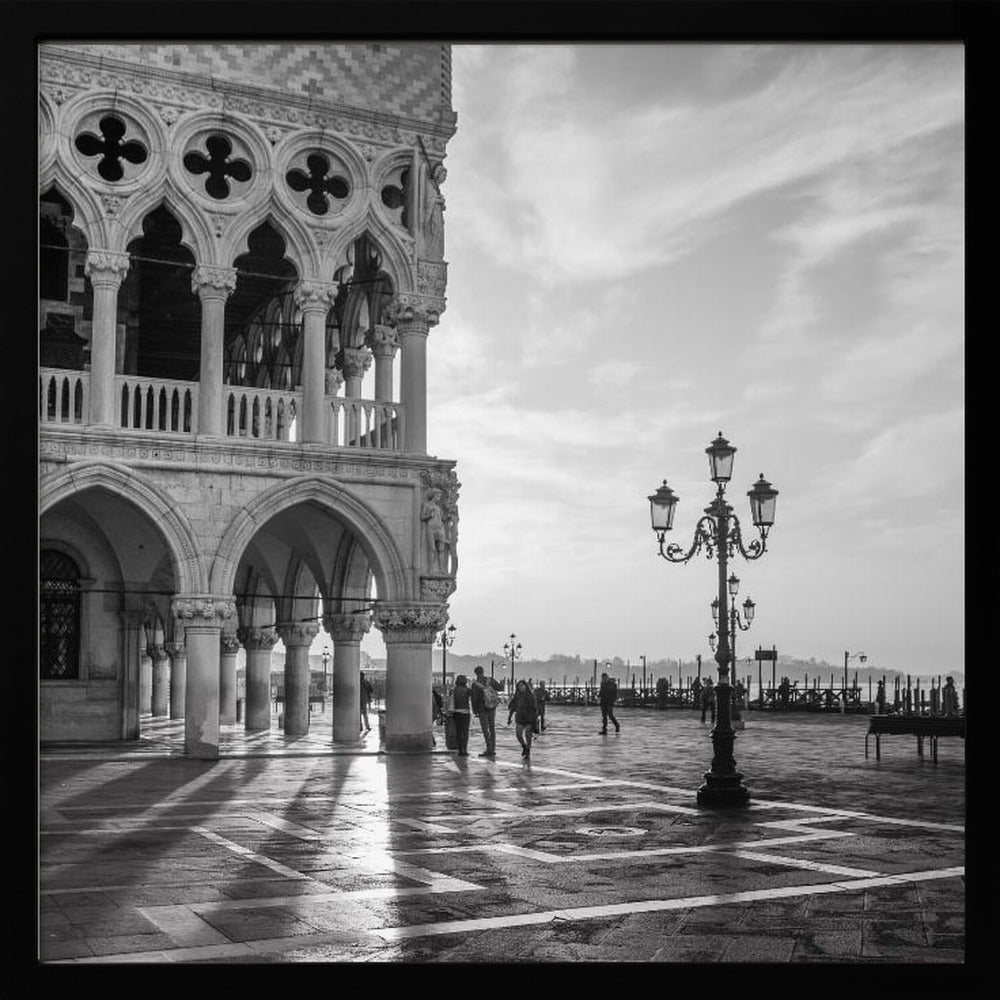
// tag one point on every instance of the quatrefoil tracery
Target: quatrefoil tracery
(218, 165)
(319, 182)
(113, 149)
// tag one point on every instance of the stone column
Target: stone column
(106, 270)
(409, 632)
(356, 361)
(228, 647)
(213, 286)
(177, 652)
(146, 679)
(414, 315)
(347, 631)
(314, 298)
(133, 644)
(297, 639)
(384, 344)
(258, 643)
(160, 689)
(202, 617)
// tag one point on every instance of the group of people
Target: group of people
(526, 709)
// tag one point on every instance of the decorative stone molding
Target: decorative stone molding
(299, 633)
(355, 361)
(219, 224)
(211, 281)
(175, 650)
(315, 296)
(383, 341)
(410, 623)
(347, 627)
(204, 609)
(112, 204)
(106, 267)
(436, 588)
(432, 277)
(255, 639)
(169, 113)
(229, 643)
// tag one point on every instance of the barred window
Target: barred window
(59, 616)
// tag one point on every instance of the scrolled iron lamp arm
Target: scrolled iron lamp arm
(756, 548)
(702, 536)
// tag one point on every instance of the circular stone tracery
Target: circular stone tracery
(322, 180)
(102, 135)
(225, 171)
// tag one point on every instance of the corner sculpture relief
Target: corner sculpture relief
(432, 212)
(439, 517)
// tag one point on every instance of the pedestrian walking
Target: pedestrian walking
(880, 698)
(523, 712)
(461, 713)
(607, 695)
(708, 699)
(484, 707)
(366, 700)
(541, 699)
(695, 692)
(437, 711)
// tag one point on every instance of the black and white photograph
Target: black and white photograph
(501, 500)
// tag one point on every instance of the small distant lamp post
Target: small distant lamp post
(850, 656)
(326, 663)
(718, 530)
(447, 639)
(513, 650)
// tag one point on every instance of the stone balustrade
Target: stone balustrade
(365, 423)
(63, 396)
(263, 414)
(155, 404)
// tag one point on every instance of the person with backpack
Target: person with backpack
(523, 711)
(608, 694)
(484, 706)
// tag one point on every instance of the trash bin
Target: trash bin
(381, 725)
(450, 736)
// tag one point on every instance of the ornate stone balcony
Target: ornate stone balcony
(160, 406)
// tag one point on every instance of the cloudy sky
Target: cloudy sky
(650, 243)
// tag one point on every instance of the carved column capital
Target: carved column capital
(315, 296)
(347, 627)
(106, 267)
(229, 643)
(299, 633)
(355, 361)
(202, 609)
(156, 653)
(212, 282)
(334, 379)
(254, 639)
(410, 622)
(175, 650)
(413, 313)
(383, 341)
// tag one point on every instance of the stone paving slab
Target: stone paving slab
(594, 851)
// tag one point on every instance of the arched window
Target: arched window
(59, 616)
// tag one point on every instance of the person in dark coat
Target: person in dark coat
(541, 699)
(484, 707)
(366, 700)
(708, 699)
(608, 694)
(462, 714)
(522, 709)
(880, 698)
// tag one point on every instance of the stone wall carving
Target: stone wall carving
(347, 627)
(299, 633)
(256, 639)
(202, 609)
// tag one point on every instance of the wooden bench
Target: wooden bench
(920, 726)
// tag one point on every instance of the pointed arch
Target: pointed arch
(381, 549)
(397, 250)
(300, 248)
(196, 235)
(149, 498)
(88, 214)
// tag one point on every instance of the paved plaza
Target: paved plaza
(286, 851)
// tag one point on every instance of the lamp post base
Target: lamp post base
(723, 792)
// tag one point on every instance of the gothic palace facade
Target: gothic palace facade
(241, 256)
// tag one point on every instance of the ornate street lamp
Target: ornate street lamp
(514, 652)
(849, 656)
(447, 639)
(326, 662)
(718, 531)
